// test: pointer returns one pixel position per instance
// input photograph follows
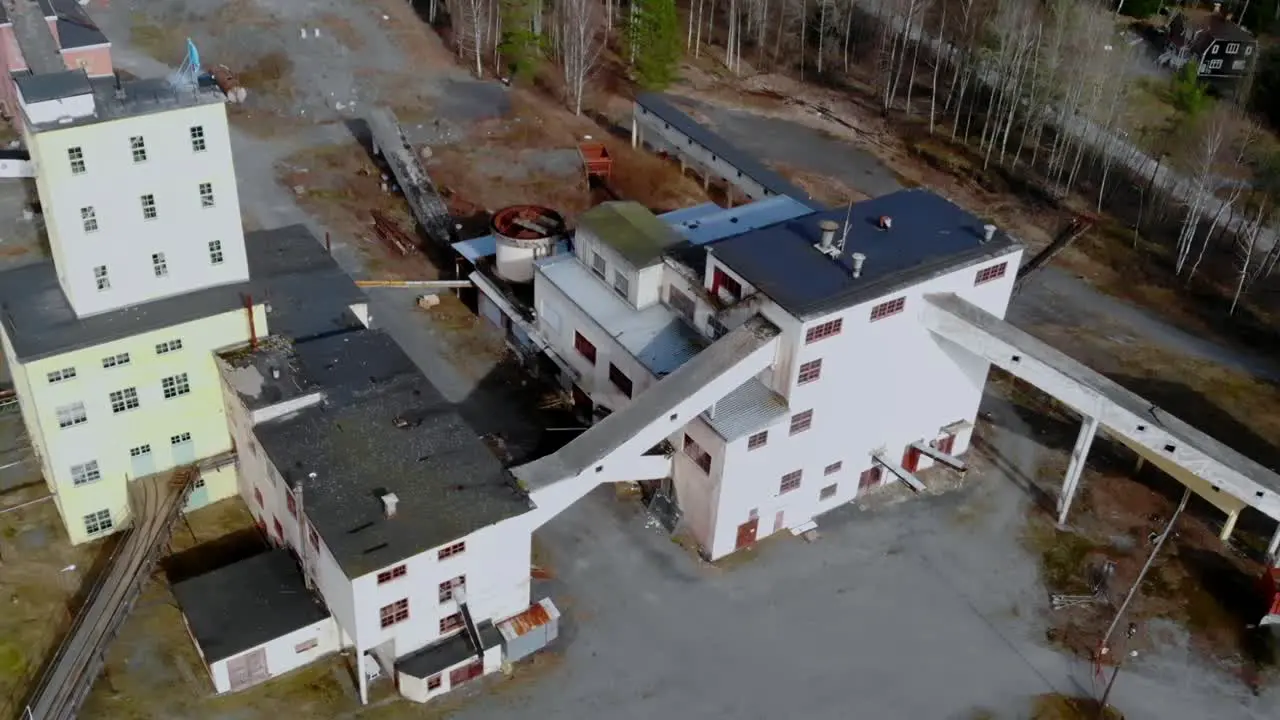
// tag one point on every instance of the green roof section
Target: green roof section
(631, 229)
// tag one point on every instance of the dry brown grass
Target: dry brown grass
(342, 30)
(1061, 707)
(270, 75)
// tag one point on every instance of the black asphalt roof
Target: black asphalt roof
(384, 428)
(43, 87)
(241, 606)
(451, 651)
(929, 236)
(75, 28)
(659, 105)
(308, 293)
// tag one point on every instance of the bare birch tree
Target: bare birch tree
(470, 21)
(1246, 248)
(579, 40)
(1207, 150)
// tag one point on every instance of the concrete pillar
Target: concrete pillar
(361, 679)
(1079, 458)
(1273, 547)
(706, 181)
(635, 132)
(1137, 467)
(1229, 526)
(728, 191)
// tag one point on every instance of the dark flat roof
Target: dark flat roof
(54, 86)
(75, 28)
(241, 606)
(930, 236)
(113, 99)
(308, 293)
(384, 428)
(659, 105)
(451, 651)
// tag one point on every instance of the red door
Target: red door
(747, 533)
(465, 673)
(947, 444)
(910, 459)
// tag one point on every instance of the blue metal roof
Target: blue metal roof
(929, 236)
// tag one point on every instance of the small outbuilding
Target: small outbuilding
(445, 665)
(254, 620)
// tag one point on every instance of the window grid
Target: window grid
(175, 386)
(825, 330)
(71, 415)
(76, 156)
(758, 440)
(1233, 48)
(122, 400)
(115, 360)
(85, 473)
(828, 492)
(434, 682)
(291, 503)
(206, 195)
(100, 277)
(140, 451)
(148, 206)
(257, 495)
(597, 264)
(833, 468)
(448, 586)
(139, 148)
(801, 422)
(168, 347)
(98, 522)
(886, 309)
(449, 623)
(180, 438)
(620, 284)
(387, 576)
(987, 274)
(790, 482)
(89, 218)
(455, 549)
(810, 371)
(869, 478)
(700, 457)
(58, 376)
(159, 264)
(197, 139)
(396, 612)
(215, 252)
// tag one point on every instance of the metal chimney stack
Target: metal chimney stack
(828, 228)
(858, 259)
(988, 233)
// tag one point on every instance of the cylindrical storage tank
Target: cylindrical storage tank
(524, 233)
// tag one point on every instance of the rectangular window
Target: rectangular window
(758, 440)
(885, 309)
(275, 523)
(175, 386)
(89, 218)
(159, 264)
(721, 281)
(139, 147)
(450, 623)
(987, 274)
(199, 482)
(801, 422)
(290, 503)
(206, 195)
(122, 400)
(1233, 48)
(180, 438)
(825, 330)
(215, 252)
(681, 303)
(148, 207)
(455, 549)
(1248, 50)
(396, 612)
(717, 328)
(1215, 64)
(695, 452)
(790, 481)
(100, 277)
(584, 348)
(98, 522)
(620, 284)
(85, 473)
(810, 371)
(619, 380)
(597, 264)
(869, 478)
(448, 586)
(833, 468)
(140, 451)
(306, 645)
(197, 138)
(433, 683)
(76, 156)
(73, 414)
(387, 576)
(115, 360)
(64, 374)
(168, 347)
(257, 495)
(827, 492)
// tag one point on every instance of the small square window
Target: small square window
(206, 195)
(886, 309)
(100, 277)
(387, 576)
(139, 147)
(869, 478)
(810, 371)
(140, 451)
(987, 274)
(396, 612)
(448, 586)
(148, 207)
(159, 265)
(758, 440)
(85, 473)
(180, 438)
(450, 623)
(89, 218)
(71, 415)
(58, 376)
(115, 360)
(168, 347)
(122, 400)
(215, 252)
(801, 422)
(790, 482)
(455, 549)
(1233, 48)
(98, 522)
(433, 683)
(833, 468)
(827, 492)
(825, 330)
(175, 386)
(197, 138)
(76, 156)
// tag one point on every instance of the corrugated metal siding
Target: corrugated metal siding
(752, 407)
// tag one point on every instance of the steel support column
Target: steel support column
(1075, 469)
(1229, 526)
(1273, 547)
(635, 131)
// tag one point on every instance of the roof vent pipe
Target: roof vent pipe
(389, 502)
(988, 233)
(858, 259)
(886, 222)
(828, 228)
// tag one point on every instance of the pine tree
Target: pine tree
(519, 45)
(655, 34)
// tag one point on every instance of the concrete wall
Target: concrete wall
(282, 653)
(108, 437)
(95, 59)
(113, 185)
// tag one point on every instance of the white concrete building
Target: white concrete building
(857, 392)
